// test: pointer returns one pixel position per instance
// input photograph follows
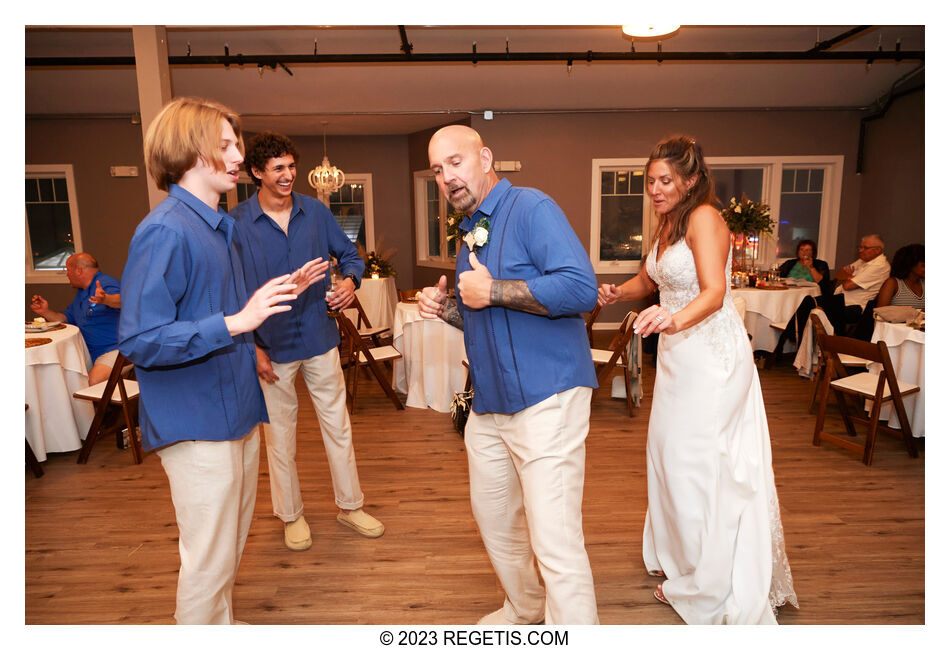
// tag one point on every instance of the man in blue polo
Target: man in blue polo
(523, 279)
(283, 229)
(94, 310)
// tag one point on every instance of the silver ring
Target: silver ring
(659, 319)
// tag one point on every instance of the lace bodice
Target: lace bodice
(676, 277)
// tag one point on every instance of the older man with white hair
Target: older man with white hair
(858, 283)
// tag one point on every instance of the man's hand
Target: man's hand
(432, 299)
(845, 273)
(343, 295)
(607, 294)
(475, 286)
(306, 275)
(99, 296)
(263, 304)
(39, 305)
(264, 368)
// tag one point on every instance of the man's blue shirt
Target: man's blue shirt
(306, 330)
(98, 323)
(182, 277)
(518, 359)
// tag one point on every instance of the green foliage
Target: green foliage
(747, 217)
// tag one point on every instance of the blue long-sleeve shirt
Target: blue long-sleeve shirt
(183, 275)
(517, 359)
(306, 330)
(98, 323)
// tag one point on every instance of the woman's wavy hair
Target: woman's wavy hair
(184, 130)
(905, 259)
(684, 155)
(807, 242)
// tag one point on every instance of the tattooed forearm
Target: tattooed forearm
(514, 294)
(451, 314)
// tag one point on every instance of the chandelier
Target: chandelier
(326, 179)
(648, 31)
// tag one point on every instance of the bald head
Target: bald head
(462, 165)
(81, 268)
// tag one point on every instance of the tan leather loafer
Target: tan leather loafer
(366, 525)
(297, 535)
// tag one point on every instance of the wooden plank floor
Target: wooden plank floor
(101, 540)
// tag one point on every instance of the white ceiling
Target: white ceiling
(396, 98)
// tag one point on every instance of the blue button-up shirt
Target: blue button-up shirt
(518, 359)
(306, 330)
(196, 381)
(98, 323)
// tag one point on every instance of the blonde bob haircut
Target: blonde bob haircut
(186, 129)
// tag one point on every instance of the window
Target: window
(433, 248)
(244, 190)
(52, 222)
(804, 193)
(352, 205)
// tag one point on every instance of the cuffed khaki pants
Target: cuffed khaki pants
(324, 378)
(213, 486)
(526, 472)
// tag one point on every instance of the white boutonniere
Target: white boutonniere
(478, 236)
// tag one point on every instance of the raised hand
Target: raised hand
(475, 286)
(432, 299)
(99, 296)
(306, 275)
(39, 305)
(607, 294)
(263, 304)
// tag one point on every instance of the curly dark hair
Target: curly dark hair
(264, 146)
(807, 242)
(685, 157)
(905, 259)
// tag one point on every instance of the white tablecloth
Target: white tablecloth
(379, 299)
(431, 370)
(905, 345)
(767, 306)
(55, 422)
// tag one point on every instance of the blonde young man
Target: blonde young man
(523, 279)
(186, 324)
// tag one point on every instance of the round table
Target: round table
(905, 345)
(378, 297)
(55, 422)
(766, 306)
(430, 371)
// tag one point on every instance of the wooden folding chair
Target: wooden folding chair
(104, 396)
(880, 388)
(365, 328)
(616, 355)
(848, 362)
(356, 354)
(591, 318)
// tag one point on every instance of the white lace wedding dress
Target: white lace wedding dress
(713, 525)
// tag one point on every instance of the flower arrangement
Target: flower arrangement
(452, 221)
(378, 265)
(747, 217)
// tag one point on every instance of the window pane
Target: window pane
(59, 189)
(623, 183)
(621, 227)
(801, 180)
(432, 223)
(46, 189)
(788, 180)
(799, 219)
(607, 182)
(51, 234)
(357, 192)
(816, 180)
(432, 190)
(32, 190)
(734, 182)
(636, 183)
(451, 248)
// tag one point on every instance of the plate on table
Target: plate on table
(37, 341)
(33, 328)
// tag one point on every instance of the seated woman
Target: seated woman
(805, 266)
(906, 284)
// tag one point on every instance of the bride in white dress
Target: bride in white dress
(713, 528)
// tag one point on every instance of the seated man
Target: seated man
(858, 283)
(94, 310)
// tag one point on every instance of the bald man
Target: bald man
(523, 279)
(94, 310)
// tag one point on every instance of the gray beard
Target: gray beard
(464, 203)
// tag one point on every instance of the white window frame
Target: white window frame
(599, 165)
(772, 166)
(52, 171)
(419, 180)
(366, 180)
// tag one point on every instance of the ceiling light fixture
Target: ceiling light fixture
(649, 31)
(326, 179)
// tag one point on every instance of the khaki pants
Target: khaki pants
(324, 378)
(527, 483)
(213, 486)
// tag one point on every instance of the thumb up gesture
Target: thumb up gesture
(432, 299)
(475, 286)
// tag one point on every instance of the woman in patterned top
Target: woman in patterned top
(906, 284)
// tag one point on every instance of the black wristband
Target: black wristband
(352, 277)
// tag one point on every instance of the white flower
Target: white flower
(738, 209)
(480, 236)
(469, 240)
